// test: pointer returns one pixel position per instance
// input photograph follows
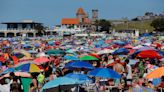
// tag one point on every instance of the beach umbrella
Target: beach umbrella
(41, 54)
(51, 42)
(28, 67)
(119, 42)
(80, 77)
(40, 60)
(87, 57)
(105, 51)
(26, 84)
(26, 59)
(121, 51)
(54, 52)
(2, 59)
(20, 74)
(104, 73)
(59, 84)
(9, 70)
(157, 73)
(128, 46)
(146, 35)
(21, 53)
(94, 55)
(0, 64)
(67, 57)
(32, 51)
(149, 54)
(79, 64)
(27, 46)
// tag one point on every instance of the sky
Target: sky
(50, 12)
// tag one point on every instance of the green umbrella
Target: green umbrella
(54, 52)
(26, 84)
(87, 57)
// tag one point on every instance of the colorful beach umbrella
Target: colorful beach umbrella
(94, 55)
(9, 70)
(157, 73)
(104, 73)
(29, 67)
(87, 57)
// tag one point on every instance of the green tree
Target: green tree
(40, 29)
(158, 24)
(103, 25)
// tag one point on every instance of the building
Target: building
(24, 28)
(81, 20)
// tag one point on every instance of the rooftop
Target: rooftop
(70, 21)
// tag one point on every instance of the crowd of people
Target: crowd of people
(132, 65)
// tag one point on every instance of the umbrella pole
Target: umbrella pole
(78, 88)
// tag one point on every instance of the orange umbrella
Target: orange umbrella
(157, 73)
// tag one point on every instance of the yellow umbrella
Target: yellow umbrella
(26, 58)
(157, 73)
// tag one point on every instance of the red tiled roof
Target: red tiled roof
(70, 21)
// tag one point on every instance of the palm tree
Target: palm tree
(40, 29)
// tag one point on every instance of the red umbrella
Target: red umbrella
(149, 54)
(131, 51)
(41, 60)
(2, 59)
(128, 46)
(108, 41)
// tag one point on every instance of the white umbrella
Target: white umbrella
(105, 51)
(42, 54)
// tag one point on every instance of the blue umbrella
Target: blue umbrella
(80, 77)
(145, 35)
(9, 70)
(161, 53)
(70, 57)
(0, 64)
(26, 46)
(51, 42)
(60, 81)
(36, 45)
(104, 73)
(119, 42)
(79, 64)
(32, 51)
(121, 51)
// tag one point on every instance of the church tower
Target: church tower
(94, 15)
(81, 14)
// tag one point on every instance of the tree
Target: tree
(40, 29)
(103, 25)
(158, 24)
